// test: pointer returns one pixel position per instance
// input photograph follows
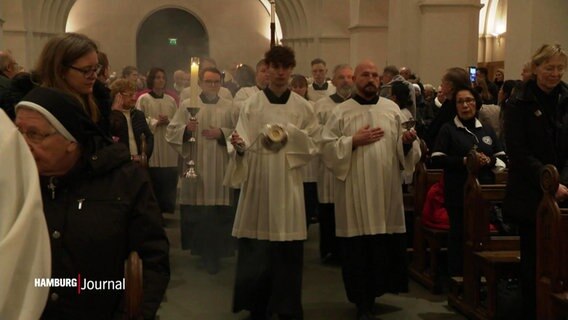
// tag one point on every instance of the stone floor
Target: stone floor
(194, 294)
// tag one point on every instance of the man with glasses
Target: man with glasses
(205, 204)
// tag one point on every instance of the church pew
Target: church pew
(427, 242)
(133, 287)
(485, 254)
(552, 251)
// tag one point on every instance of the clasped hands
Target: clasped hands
(212, 133)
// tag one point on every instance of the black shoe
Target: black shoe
(212, 266)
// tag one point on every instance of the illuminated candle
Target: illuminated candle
(272, 15)
(194, 79)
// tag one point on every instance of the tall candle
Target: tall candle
(194, 79)
(272, 15)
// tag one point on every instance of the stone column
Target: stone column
(368, 31)
(449, 32)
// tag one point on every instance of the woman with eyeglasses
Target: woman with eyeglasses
(69, 62)
(536, 133)
(159, 109)
(456, 138)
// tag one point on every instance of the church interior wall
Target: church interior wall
(426, 35)
(234, 38)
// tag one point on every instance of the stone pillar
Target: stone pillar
(449, 33)
(369, 31)
(530, 24)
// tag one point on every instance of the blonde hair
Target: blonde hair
(122, 85)
(545, 52)
(57, 55)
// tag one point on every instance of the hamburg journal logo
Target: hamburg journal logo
(81, 284)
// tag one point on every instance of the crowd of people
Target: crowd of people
(272, 152)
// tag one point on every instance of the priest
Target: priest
(320, 87)
(365, 146)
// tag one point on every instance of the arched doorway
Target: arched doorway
(167, 39)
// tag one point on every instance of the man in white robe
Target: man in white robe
(24, 241)
(343, 82)
(206, 214)
(365, 146)
(320, 87)
(270, 221)
(205, 63)
(261, 82)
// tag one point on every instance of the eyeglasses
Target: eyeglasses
(36, 137)
(88, 72)
(465, 101)
(212, 82)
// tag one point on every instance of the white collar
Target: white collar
(459, 124)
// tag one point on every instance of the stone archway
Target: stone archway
(168, 38)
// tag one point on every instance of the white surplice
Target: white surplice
(163, 155)
(325, 177)
(271, 204)
(310, 170)
(25, 253)
(243, 94)
(316, 95)
(211, 156)
(368, 197)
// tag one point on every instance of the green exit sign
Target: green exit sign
(173, 41)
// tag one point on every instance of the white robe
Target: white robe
(25, 253)
(310, 171)
(325, 177)
(368, 198)
(211, 157)
(163, 155)
(315, 95)
(243, 94)
(271, 204)
(223, 93)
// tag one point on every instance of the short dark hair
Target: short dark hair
(483, 71)
(458, 77)
(152, 77)
(402, 93)
(209, 69)
(474, 93)
(391, 70)
(128, 70)
(280, 56)
(318, 61)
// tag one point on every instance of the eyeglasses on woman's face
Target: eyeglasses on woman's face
(466, 101)
(88, 72)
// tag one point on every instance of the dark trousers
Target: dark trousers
(372, 266)
(455, 241)
(527, 232)
(164, 183)
(328, 240)
(311, 202)
(269, 278)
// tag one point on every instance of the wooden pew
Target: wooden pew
(485, 254)
(133, 292)
(552, 251)
(427, 242)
